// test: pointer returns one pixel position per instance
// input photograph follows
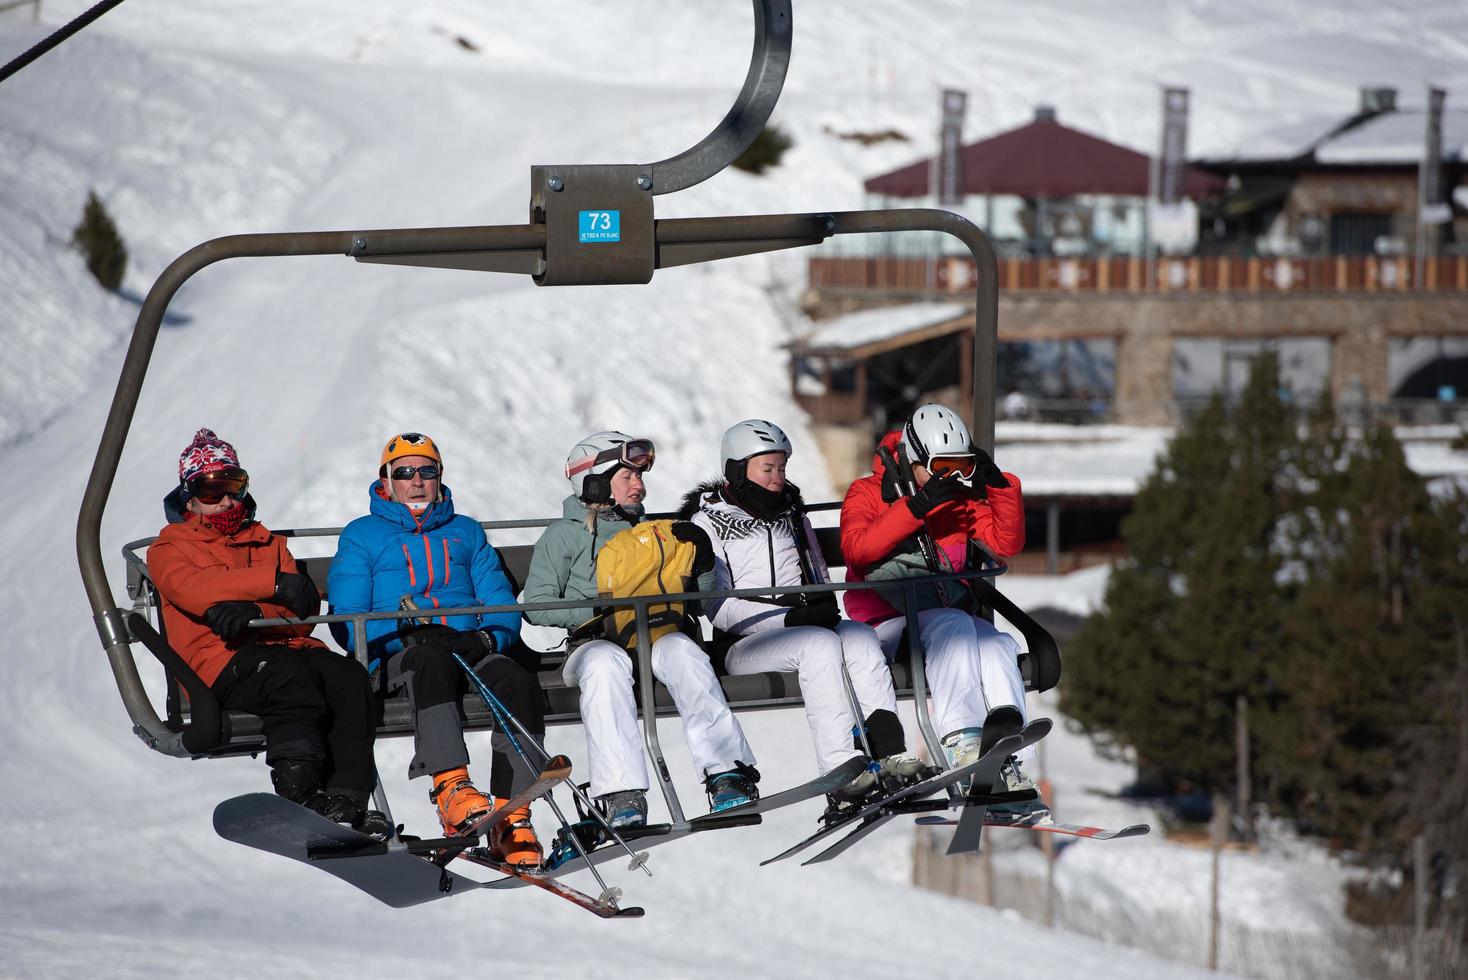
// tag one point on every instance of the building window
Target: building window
(1356, 234)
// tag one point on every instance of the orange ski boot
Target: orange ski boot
(457, 800)
(513, 840)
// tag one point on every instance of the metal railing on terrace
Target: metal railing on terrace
(1129, 274)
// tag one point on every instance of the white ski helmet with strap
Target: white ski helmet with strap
(935, 430)
(602, 452)
(752, 437)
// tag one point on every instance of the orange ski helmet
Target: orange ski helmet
(408, 444)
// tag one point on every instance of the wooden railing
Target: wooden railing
(1194, 274)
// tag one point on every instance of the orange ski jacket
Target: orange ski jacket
(194, 566)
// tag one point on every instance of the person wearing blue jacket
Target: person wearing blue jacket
(412, 551)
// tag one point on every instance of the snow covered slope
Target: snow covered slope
(208, 118)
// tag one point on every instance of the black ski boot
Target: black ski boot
(343, 809)
(297, 780)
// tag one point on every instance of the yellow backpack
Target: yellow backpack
(644, 560)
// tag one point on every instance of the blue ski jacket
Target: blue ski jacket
(441, 559)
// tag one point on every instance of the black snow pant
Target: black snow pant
(435, 683)
(314, 706)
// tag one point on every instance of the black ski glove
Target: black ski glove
(229, 619)
(431, 633)
(890, 492)
(824, 614)
(485, 641)
(938, 490)
(297, 593)
(987, 472)
(703, 560)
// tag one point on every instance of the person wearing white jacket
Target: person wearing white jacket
(761, 537)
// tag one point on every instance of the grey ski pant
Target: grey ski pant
(435, 683)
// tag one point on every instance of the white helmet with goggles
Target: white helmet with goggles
(601, 453)
(936, 431)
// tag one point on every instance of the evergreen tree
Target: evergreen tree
(1360, 642)
(1437, 740)
(1191, 621)
(765, 152)
(97, 238)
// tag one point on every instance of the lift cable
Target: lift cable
(47, 43)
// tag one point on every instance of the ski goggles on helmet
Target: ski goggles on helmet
(429, 471)
(639, 454)
(962, 467)
(212, 487)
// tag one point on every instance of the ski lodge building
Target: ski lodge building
(1303, 244)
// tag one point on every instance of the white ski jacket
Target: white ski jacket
(750, 553)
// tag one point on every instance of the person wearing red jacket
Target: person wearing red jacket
(217, 568)
(961, 496)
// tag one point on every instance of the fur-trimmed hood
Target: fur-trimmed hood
(694, 497)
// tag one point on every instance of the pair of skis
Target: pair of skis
(745, 815)
(464, 845)
(975, 816)
(866, 819)
(1049, 827)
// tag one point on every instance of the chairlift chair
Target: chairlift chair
(591, 224)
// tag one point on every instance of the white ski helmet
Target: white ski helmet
(935, 430)
(752, 437)
(602, 452)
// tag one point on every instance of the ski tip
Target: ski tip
(1037, 729)
(630, 912)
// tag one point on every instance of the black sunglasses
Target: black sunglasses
(429, 471)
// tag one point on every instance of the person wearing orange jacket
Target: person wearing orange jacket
(217, 568)
(960, 496)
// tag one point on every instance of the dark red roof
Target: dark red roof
(1043, 159)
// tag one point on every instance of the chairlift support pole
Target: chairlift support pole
(647, 689)
(550, 251)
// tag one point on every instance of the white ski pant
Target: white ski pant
(972, 667)
(604, 673)
(816, 654)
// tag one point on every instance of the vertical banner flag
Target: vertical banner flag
(1173, 160)
(1434, 208)
(950, 140)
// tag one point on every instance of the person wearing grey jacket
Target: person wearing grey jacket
(606, 474)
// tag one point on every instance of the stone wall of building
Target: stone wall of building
(1359, 326)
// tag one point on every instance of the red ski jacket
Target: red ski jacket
(874, 530)
(194, 566)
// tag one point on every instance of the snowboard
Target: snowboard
(386, 870)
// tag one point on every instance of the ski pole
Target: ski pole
(807, 569)
(860, 727)
(502, 714)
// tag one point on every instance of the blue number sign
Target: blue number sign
(600, 226)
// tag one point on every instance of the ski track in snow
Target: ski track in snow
(202, 119)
